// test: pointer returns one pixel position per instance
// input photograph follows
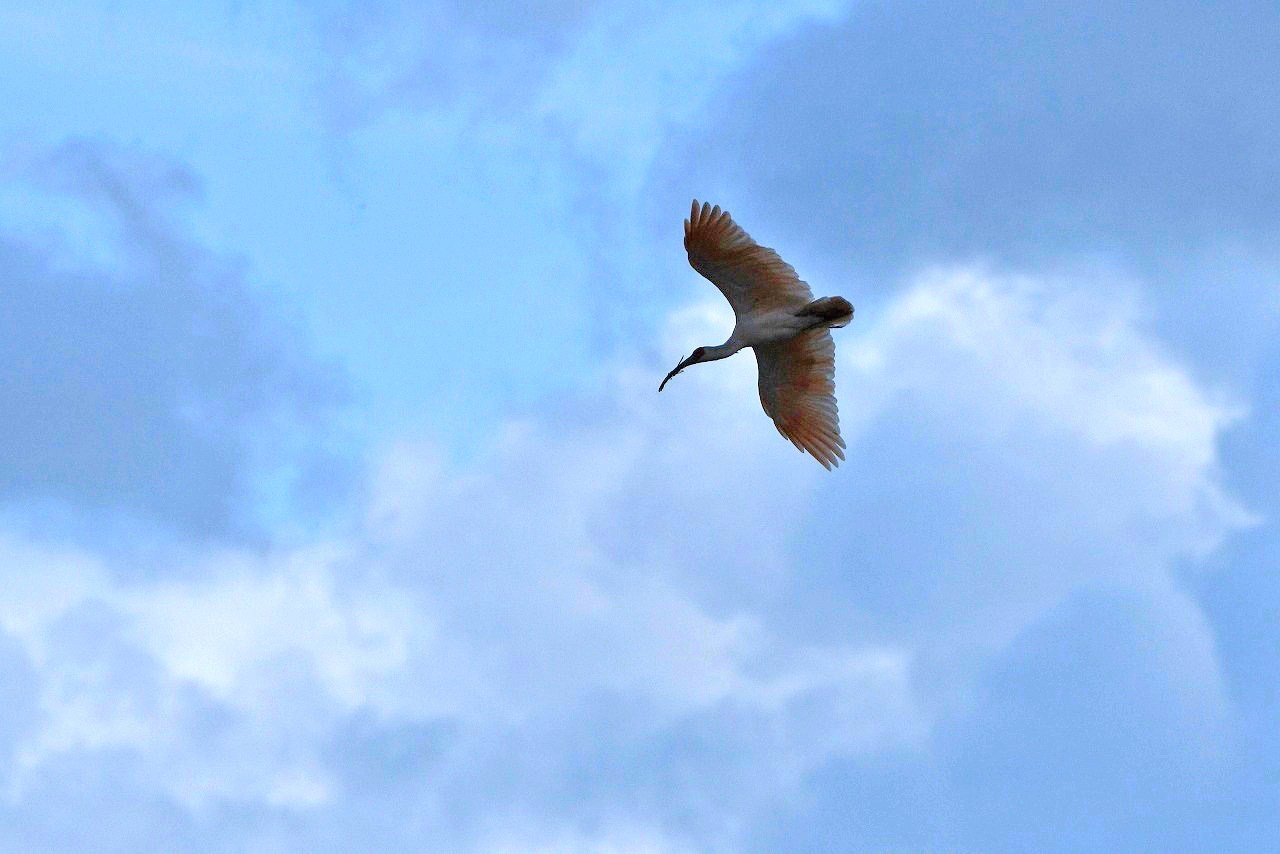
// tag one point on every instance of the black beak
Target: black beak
(684, 363)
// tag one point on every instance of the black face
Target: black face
(695, 356)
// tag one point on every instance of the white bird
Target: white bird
(778, 318)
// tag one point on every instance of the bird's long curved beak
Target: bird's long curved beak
(684, 363)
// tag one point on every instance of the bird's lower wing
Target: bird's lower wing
(751, 277)
(797, 390)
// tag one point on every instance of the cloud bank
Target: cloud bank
(601, 620)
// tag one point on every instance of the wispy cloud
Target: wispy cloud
(144, 373)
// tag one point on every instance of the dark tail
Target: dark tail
(828, 311)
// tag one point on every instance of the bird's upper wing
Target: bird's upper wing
(797, 390)
(752, 277)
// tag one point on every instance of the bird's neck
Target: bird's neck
(722, 351)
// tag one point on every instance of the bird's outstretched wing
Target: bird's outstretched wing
(797, 390)
(752, 277)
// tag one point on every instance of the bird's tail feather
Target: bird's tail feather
(829, 311)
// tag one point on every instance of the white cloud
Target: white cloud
(218, 633)
(1063, 353)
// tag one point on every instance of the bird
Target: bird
(776, 316)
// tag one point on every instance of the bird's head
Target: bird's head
(693, 359)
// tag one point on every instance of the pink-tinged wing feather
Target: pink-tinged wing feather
(751, 277)
(797, 390)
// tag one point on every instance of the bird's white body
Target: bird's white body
(766, 327)
(776, 316)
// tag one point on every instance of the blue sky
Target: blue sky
(338, 510)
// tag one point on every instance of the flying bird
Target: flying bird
(777, 317)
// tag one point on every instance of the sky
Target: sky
(339, 511)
